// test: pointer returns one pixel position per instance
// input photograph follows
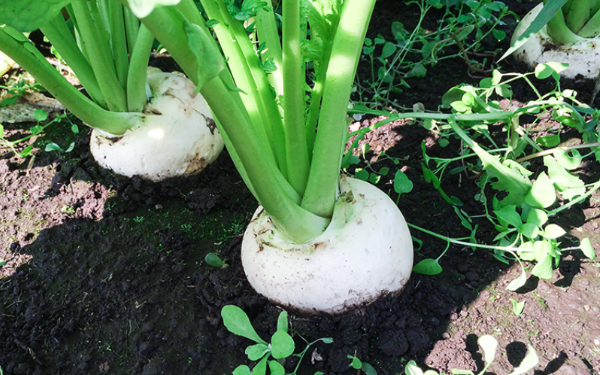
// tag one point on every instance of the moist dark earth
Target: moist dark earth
(106, 275)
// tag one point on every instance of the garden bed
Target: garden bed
(106, 275)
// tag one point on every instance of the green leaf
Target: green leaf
(499, 34)
(74, 129)
(384, 171)
(418, 70)
(356, 363)
(213, 259)
(261, 367)
(327, 340)
(53, 147)
(388, 50)
(368, 369)
(1, 130)
(518, 282)
(268, 65)
(212, 23)
(276, 368)
(282, 345)
(564, 159)
(2, 262)
(518, 307)
(461, 372)
(567, 183)
(242, 370)
(541, 249)
(537, 217)
(210, 61)
(361, 174)
(551, 140)
(488, 345)
(26, 152)
(509, 215)
(428, 267)
(496, 77)
(504, 91)
(543, 269)
(282, 321)
(40, 115)
(237, 322)
(542, 192)
(257, 351)
(411, 368)
(587, 248)
(29, 15)
(529, 230)
(552, 231)
(142, 8)
(402, 184)
(529, 362)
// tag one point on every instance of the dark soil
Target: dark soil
(106, 275)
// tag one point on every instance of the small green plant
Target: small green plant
(488, 344)
(214, 260)
(361, 366)
(518, 307)
(139, 219)
(281, 346)
(40, 115)
(68, 209)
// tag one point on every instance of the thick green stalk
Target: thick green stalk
(559, 31)
(578, 15)
(266, 29)
(28, 57)
(66, 45)
(247, 73)
(132, 26)
(592, 27)
(119, 41)
(291, 220)
(136, 78)
(297, 159)
(99, 57)
(321, 190)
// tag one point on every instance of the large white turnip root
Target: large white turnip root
(365, 252)
(583, 57)
(178, 137)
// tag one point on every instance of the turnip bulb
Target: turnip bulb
(177, 137)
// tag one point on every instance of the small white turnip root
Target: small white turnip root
(583, 57)
(366, 252)
(178, 137)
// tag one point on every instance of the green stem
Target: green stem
(578, 15)
(99, 58)
(132, 26)
(559, 32)
(28, 57)
(136, 78)
(266, 29)
(595, 187)
(297, 159)
(321, 189)
(592, 28)
(119, 41)
(66, 46)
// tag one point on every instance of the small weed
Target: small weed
(139, 219)
(68, 210)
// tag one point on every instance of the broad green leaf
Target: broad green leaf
(384, 171)
(587, 248)
(567, 183)
(543, 269)
(282, 345)
(276, 368)
(569, 162)
(237, 322)
(40, 115)
(551, 140)
(428, 267)
(496, 77)
(518, 307)
(261, 367)
(542, 192)
(242, 370)
(541, 249)
(282, 321)
(402, 184)
(361, 174)
(546, 14)
(257, 351)
(411, 368)
(29, 15)
(518, 282)
(26, 152)
(142, 8)
(552, 231)
(537, 217)
(53, 147)
(529, 230)
(356, 363)
(509, 215)
(213, 259)
(488, 345)
(418, 70)
(210, 61)
(529, 362)
(368, 369)
(388, 50)
(504, 91)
